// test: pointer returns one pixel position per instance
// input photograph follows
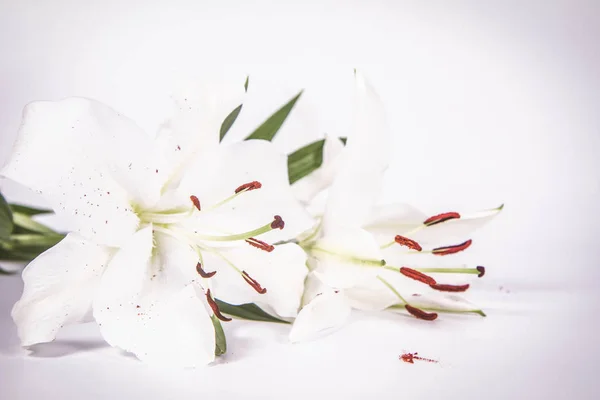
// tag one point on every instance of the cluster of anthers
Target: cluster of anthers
(420, 274)
(166, 223)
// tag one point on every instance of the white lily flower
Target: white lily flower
(361, 251)
(160, 226)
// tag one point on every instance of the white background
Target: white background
(488, 102)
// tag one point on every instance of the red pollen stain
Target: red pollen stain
(442, 251)
(249, 186)
(437, 219)
(481, 270)
(420, 314)
(404, 241)
(259, 244)
(196, 202)
(178, 147)
(254, 283)
(417, 276)
(213, 305)
(450, 288)
(277, 223)
(410, 357)
(203, 273)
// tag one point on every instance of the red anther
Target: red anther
(404, 241)
(410, 357)
(252, 282)
(259, 244)
(407, 357)
(437, 219)
(249, 186)
(417, 312)
(442, 251)
(277, 222)
(450, 288)
(203, 273)
(417, 276)
(195, 201)
(213, 304)
(481, 270)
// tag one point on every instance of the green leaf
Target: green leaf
(229, 120)
(6, 219)
(247, 311)
(306, 160)
(18, 208)
(28, 225)
(220, 340)
(271, 126)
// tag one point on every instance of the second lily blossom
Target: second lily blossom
(374, 257)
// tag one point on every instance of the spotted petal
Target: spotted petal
(59, 288)
(90, 163)
(147, 306)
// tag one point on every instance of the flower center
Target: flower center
(169, 223)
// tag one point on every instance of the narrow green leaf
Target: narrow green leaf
(247, 311)
(18, 208)
(6, 219)
(271, 126)
(220, 340)
(246, 83)
(305, 160)
(229, 120)
(28, 225)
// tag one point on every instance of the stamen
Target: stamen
(195, 201)
(213, 304)
(411, 244)
(277, 223)
(438, 219)
(481, 270)
(259, 244)
(420, 314)
(450, 288)
(417, 276)
(252, 282)
(442, 251)
(203, 273)
(249, 186)
(407, 357)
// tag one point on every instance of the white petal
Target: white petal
(401, 219)
(199, 110)
(389, 220)
(90, 163)
(371, 295)
(358, 182)
(323, 315)
(308, 187)
(59, 287)
(347, 258)
(442, 302)
(281, 272)
(237, 164)
(147, 306)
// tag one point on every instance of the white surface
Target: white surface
(489, 102)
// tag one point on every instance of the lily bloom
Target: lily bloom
(160, 225)
(372, 257)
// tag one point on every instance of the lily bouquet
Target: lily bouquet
(172, 234)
